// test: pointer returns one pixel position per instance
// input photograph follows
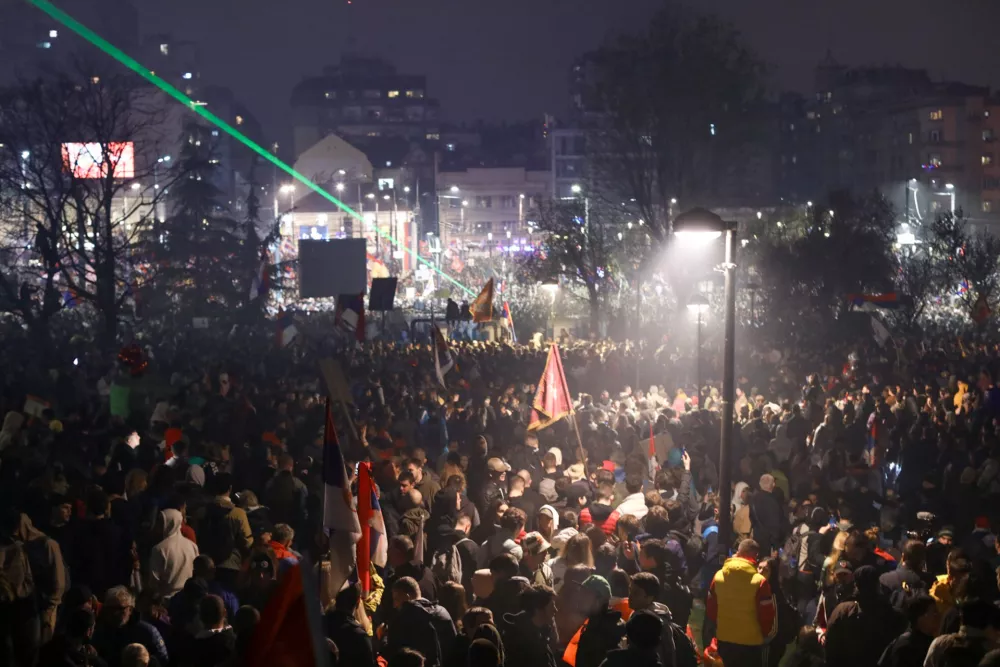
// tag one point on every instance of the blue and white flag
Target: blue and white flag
(340, 519)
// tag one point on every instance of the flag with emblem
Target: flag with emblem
(340, 519)
(372, 547)
(482, 308)
(552, 401)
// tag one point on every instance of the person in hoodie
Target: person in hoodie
(642, 594)
(171, 563)
(601, 512)
(402, 560)
(859, 630)
(505, 539)
(418, 624)
(603, 630)
(644, 631)
(507, 586)
(47, 570)
(910, 648)
(528, 633)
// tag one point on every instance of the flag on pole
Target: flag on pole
(653, 463)
(552, 401)
(292, 632)
(443, 359)
(350, 315)
(340, 519)
(882, 334)
(510, 320)
(287, 331)
(372, 547)
(482, 308)
(261, 281)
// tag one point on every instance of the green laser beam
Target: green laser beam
(131, 63)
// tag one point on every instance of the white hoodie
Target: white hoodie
(172, 561)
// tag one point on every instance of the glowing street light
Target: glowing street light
(339, 187)
(406, 188)
(702, 224)
(287, 189)
(576, 189)
(454, 189)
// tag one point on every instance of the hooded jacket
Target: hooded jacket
(602, 633)
(172, 560)
(667, 650)
(422, 625)
(605, 516)
(48, 569)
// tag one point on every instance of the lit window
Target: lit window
(330, 94)
(393, 93)
(451, 147)
(45, 45)
(374, 133)
(987, 159)
(937, 114)
(214, 161)
(415, 94)
(935, 161)
(53, 34)
(911, 138)
(239, 120)
(433, 136)
(95, 80)
(187, 76)
(215, 133)
(165, 49)
(987, 206)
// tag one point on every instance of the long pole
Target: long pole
(728, 397)
(638, 325)
(698, 362)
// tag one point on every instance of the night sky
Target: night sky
(509, 59)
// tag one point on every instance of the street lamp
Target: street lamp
(287, 189)
(702, 224)
(698, 305)
(553, 290)
(339, 187)
(576, 189)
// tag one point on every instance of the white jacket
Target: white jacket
(635, 505)
(172, 561)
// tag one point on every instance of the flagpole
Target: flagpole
(581, 453)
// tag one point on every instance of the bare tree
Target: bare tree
(83, 168)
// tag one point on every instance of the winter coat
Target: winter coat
(222, 515)
(285, 496)
(110, 642)
(419, 572)
(48, 570)
(211, 649)
(605, 516)
(603, 632)
(908, 650)
(634, 504)
(422, 625)
(99, 556)
(964, 648)
(525, 643)
(502, 542)
(632, 657)
(666, 651)
(741, 604)
(171, 563)
(858, 632)
(352, 641)
(769, 525)
(504, 598)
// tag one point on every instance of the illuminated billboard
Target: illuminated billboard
(87, 160)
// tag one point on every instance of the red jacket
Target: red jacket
(604, 516)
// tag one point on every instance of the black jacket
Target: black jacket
(903, 579)
(525, 643)
(667, 650)
(603, 633)
(416, 570)
(504, 598)
(211, 650)
(424, 626)
(60, 653)
(631, 657)
(522, 457)
(858, 632)
(769, 525)
(352, 641)
(908, 650)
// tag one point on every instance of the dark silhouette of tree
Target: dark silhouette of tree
(965, 258)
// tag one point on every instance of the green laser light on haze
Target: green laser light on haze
(131, 63)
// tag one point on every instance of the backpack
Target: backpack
(790, 555)
(446, 565)
(215, 534)
(16, 582)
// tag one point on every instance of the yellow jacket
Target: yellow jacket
(741, 603)
(942, 593)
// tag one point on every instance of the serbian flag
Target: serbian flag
(510, 320)
(653, 463)
(292, 630)
(340, 519)
(443, 359)
(552, 401)
(287, 330)
(350, 315)
(372, 547)
(261, 281)
(482, 308)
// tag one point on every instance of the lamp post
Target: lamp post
(704, 225)
(699, 306)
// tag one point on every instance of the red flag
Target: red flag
(653, 463)
(286, 635)
(365, 492)
(552, 401)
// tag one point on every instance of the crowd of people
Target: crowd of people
(154, 531)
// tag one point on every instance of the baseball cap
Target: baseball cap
(534, 543)
(599, 586)
(498, 465)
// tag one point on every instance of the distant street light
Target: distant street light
(287, 189)
(339, 187)
(576, 189)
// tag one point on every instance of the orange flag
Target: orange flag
(289, 633)
(482, 308)
(552, 401)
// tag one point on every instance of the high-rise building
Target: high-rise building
(361, 99)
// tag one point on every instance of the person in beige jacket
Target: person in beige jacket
(48, 571)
